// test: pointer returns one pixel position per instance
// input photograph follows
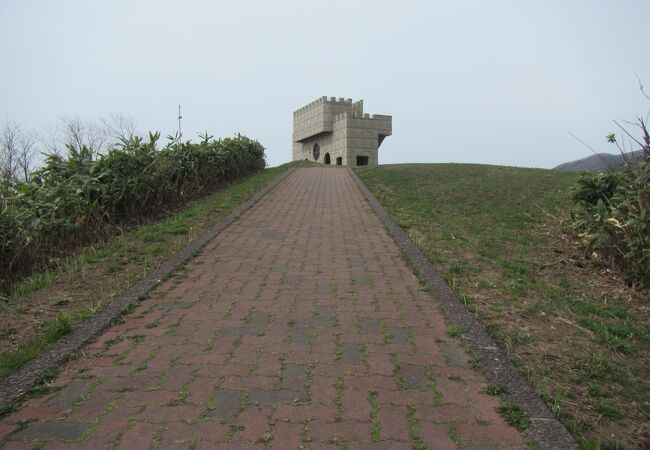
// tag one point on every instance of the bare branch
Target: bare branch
(628, 133)
(52, 141)
(641, 87)
(9, 148)
(120, 128)
(27, 144)
(590, 148)
(78, 134)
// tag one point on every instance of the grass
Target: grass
(375, 432)
(53, 330)
(396, 371)
(514, 416)
(338, 400)
(433, 386)
(46, 306)
(457, 330)
(496, 389)
(414, 428)
(567, 322)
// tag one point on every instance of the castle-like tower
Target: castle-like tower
(338, 132)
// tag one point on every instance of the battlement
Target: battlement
(356, 115)
(322, 100)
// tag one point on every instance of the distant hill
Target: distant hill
(598, 161)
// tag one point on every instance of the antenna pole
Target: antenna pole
(179, 122)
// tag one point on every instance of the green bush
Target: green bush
(613, 215)
(74, 200)
(613, 208)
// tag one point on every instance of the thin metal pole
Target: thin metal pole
(179, 122)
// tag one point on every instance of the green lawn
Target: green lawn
(497, 234)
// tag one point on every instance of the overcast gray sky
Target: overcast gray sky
(499, 82)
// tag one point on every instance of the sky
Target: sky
(495, 82)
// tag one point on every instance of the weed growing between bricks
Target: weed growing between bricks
(376, 423)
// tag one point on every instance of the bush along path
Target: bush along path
(74, 200)
(299, 325)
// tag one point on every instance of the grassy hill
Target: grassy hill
(567, 322)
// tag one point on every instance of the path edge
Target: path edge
(57, 354)
(544, 428)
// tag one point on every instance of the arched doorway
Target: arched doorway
(316, 151)
(327, 159)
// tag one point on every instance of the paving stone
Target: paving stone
(203, 432)
(489, 436)
(255, 421)
(140, 436)
(226, 405)
(286, 436)
(272, 397)
(301, 334)
(455, 355)
(153, 413)
(393, 422)
(173, 445)
(398, 334)
(415, 377)
(343, 430)
(258, 323)
(436, 436)
(383, 445)
(75, 391)
(369, 325)
(67, 430)
(112, 425)
(352, 353)
(294, 376)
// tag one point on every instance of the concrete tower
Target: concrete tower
(338, 132)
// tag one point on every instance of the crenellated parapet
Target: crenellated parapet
(362, 116)
(320, 101)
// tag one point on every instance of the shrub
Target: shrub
(74, 200)
(613, 213)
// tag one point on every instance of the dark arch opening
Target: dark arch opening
(327, 159)
(316, 151)
(339, 161)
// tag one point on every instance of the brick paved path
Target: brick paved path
(299, 325)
